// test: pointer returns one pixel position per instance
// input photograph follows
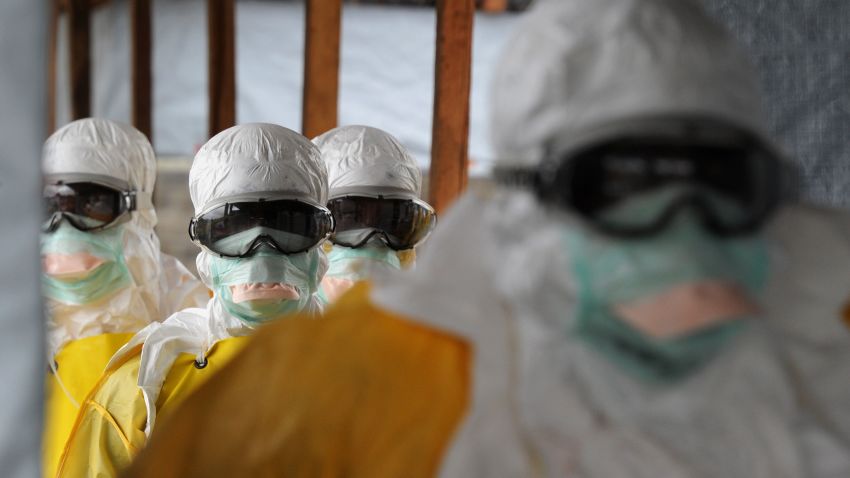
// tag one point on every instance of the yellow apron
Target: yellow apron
(79, 364)
(362, 392)
(109, 430)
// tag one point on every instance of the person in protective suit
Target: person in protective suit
(374, 196)
(104, 276)
(259, 192)
(609, 312)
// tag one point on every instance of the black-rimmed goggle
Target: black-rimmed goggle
(86, 206)
(734, 188)
(240, 229)
(400, 223)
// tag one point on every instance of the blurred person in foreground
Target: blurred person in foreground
(104, 276)
(374, 196)
(611, 316)
(259, 192)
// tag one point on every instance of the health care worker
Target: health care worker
(259, 192)
(609, 315)
(104, 276)
(374, 197)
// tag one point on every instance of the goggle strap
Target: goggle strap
(139, 200)
(518, 177)
(99, 179)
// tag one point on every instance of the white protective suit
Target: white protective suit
(128, 285)
(161, 285)
(241, 160)
(543, 402)
(363, 160)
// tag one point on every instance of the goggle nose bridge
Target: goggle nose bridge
(53, 221)
(690, 200)
(375, 231)
(372, 232)
(260, 241)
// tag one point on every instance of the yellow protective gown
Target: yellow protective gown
(109, 430)
(78, 365)
(380, 396)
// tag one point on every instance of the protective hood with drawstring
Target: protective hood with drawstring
(244, 159)
(369, 161)
(141, 284)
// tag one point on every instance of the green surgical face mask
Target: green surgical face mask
(357, 264)
(101, 282)
(348, 266)
(612, 271)
(297, 270)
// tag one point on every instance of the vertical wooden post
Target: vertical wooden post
(221, 34)
(80, 56)
(321, 66)
(52, 55)
(452, 78)
(140, 28)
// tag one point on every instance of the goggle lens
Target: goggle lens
(87, 206)
(734, 189)
(239, 229)
(401, 223)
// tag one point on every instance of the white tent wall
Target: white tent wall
(386, 70)
(23, 35)
(179, 66)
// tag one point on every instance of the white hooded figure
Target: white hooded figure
(156, 285)
(100, 285)
(603, 356)
(369, 164)
(240, 168)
